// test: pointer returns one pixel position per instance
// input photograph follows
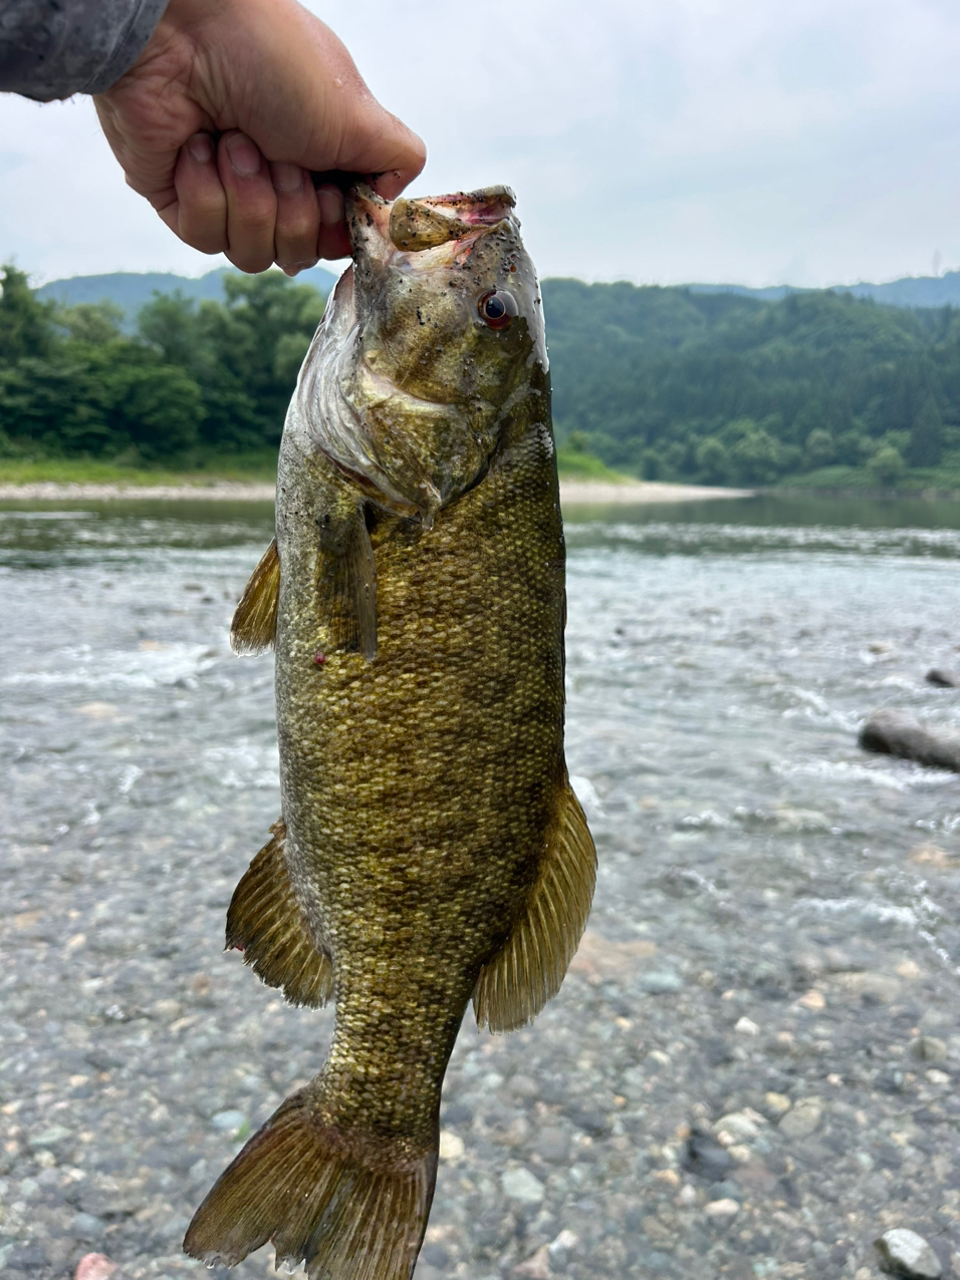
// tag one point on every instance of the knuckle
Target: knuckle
(250, 259)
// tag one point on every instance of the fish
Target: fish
(431, 850)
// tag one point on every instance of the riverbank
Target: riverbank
(572, 492)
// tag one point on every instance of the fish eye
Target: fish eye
(498, 308)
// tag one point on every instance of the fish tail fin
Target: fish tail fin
(350, 1210)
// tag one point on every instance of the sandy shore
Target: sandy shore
(575, 493)
(572, 492)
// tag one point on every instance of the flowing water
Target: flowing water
(721, 657)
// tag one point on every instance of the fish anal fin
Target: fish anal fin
(352, 574)
(527, 971)
(348, 1213)
(254, 625)
(266, 922)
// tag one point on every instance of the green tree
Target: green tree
(92, 322)
(160, 407)
(713, 462)
(169, 323)
(25, 322)
(756, 457)
(819, 449)
(887, 466)
(926, 436)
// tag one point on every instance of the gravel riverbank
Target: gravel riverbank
(751, 1068)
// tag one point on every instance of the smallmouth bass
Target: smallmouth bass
(430, 849)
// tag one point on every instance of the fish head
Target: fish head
(431, 340)
(448, 294)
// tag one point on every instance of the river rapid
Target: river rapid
(775, 933)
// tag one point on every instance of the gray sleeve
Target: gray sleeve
(55, 48)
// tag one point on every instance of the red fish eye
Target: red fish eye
(497, 308)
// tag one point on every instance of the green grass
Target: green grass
(260, 466)
(915, 480)
(574, 464)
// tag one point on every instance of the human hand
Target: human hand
(225, 114)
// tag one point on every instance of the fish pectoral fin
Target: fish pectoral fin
(266, 922)
(352, 573)
(528, 969)
(349, 1210)
(254, 625)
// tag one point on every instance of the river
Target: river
(775, 936)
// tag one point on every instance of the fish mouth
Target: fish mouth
(412, 226)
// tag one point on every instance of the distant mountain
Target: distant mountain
(131, 289)
(911, 291)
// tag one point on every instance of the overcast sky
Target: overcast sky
(756, 141)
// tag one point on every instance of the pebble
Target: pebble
(746, 1027)
(803, 1118)
(705, 1156)
(553, 1144)
(520, 1184)
(904, 1253)
(813, 999)
(228, 1120)
(537, 1266)
(659, 982)
(50, 1137)
(738, 1126)
(778, 1103)
(94, 1266)
(929, 1049)
(560, 1248)
(451, 1145)
(725, 1208)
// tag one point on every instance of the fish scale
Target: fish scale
(430, 848)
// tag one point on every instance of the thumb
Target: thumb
(370, 141)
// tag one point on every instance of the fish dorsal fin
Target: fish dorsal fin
(527, 971)
(266, 922)
(254, 625)
(353, 619)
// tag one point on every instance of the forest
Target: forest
(816, 388)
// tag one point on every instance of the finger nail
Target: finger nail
(244, 156)
(330, 200)
(286, 177)
(200, 148)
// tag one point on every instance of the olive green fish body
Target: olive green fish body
(430, 848)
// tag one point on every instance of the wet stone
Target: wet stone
(228, 1120)
(904, 1253)
(704, 1156)
(929, 1049)
(552, 1144)
(658, 982)
(520, 1184)
(803, 1119)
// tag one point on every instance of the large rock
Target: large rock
(904, 1253)
(943, 678)
(897, 734)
